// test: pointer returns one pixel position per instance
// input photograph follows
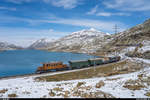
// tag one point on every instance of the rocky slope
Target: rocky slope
(7, 46)
(127, 40)
(84, 41)
(40, 44)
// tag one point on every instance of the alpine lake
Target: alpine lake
(20, 62)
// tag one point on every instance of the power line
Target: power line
(116, 28)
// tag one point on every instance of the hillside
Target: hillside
(84, 41)
(39, 44)
(140, 34)
(7, 46)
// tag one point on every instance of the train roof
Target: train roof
(51, 63)
(78, 60)
(96, 59)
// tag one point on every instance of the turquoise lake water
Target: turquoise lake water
(19, 62)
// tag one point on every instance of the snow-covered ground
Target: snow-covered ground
(27, 87)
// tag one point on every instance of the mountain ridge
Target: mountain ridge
(77, 41)
(8, 46)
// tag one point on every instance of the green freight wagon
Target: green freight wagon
(78, 64)
(97, 61)
(114, 59)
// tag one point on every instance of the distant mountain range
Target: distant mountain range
(7, 46)
(40, 44)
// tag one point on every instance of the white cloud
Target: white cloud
(66, 4)
(7, 8)
(93, 10)
(107, 14)
(128, 5)
(19, 1)
(99, 24)
(104, 14)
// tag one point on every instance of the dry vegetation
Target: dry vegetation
(100, 71)
(142, 82)
(134, 85)
(98, 94)
(84, 91)
(13, 95)
(80, 90)
(3, 91)
(100, 84)
(51, 93)
(111, 79)
(57, 89)
(148, 94)
(80, 83)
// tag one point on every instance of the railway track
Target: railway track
(27, 75)
(48, 73)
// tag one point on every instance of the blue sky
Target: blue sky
(24, 21)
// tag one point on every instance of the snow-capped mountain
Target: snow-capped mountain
(80, 41)
(39, 44)
(7, 46)
(87, 40)
(88, 32)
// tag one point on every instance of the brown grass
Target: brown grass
(98, 94)
(57, 89)
(3, 91)
(100, 84)
(12, 95)
(51, 93)
(80, 83)
(111, 79)
(134, 85)
(103, 70)
(147, 94)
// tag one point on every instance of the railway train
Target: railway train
(59, 66)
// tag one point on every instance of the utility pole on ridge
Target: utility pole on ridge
(116, 28)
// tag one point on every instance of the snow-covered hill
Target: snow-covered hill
(42, 43)
(7, 46)
(82, 41)
(86, 40)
